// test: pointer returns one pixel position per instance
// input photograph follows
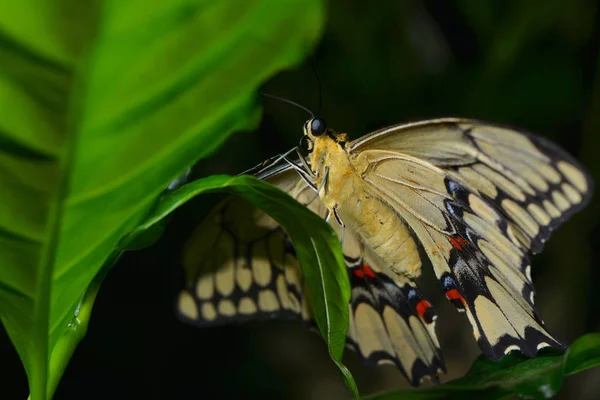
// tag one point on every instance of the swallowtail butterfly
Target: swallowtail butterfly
(479, 198)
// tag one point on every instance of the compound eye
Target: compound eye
(306, 145)
(318, 127)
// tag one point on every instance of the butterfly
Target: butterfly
(477, 199)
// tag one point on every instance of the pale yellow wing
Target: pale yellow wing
(392, 321)
(240, 265)
(481, 198)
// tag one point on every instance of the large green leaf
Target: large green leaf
(316, 244)
(539, 378)
(103, 103)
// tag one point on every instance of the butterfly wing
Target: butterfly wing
(391, 322)
(240, 265)
(481, 199)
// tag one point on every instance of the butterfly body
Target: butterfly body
(360, 207)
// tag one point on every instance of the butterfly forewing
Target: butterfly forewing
(481, 199)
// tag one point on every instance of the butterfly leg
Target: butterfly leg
(339, 220)
(322, 185)
(270, 162)
(303, 161)
(308, 179)
(283, 156)
(304, 169)
(328, 216)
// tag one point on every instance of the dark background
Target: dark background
(529, 64)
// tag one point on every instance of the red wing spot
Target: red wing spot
(458, 242)
(422, 307)
(359, 273)
(455, 243)
(368, 271)
(454, 294)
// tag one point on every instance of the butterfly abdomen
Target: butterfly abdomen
(383, 232)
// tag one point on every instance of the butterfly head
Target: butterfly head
(313, 128)
(316, 128)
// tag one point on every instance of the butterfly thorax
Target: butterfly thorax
(361, 208)
(333, 171)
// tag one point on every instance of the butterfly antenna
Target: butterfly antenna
(289, 102)
(314, 70)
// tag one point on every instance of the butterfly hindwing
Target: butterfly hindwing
(481, 199)
(393, 324)
(234, 275)
(240, 265)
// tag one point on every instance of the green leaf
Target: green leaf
(142, 238)
(103, 104)
(583, 354)
(539, 378)
(316, 244)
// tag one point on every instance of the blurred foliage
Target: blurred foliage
(528, 64)
(99, 116)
